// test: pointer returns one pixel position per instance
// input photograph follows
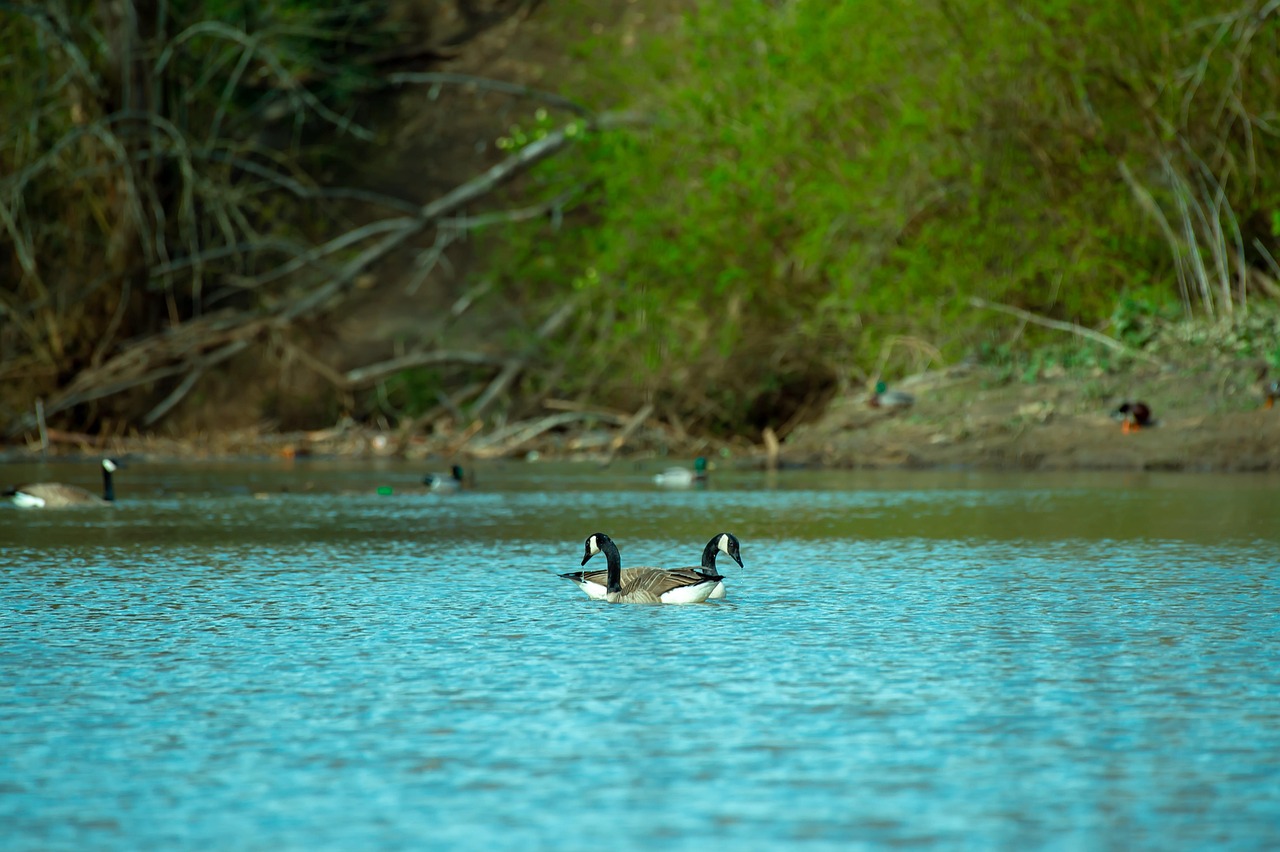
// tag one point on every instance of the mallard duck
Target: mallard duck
(595, 583)
(642, 585)
(1133, 416)
(683, 477)
(451, 481)
(56, 495)
(885, 398)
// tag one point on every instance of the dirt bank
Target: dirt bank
(1209, 418)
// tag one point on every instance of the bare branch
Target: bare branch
(438, 78)
(1072, 328)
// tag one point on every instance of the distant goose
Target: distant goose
(683, 477)
(442, 482)
(1133, 416)
(56, 495)
(641, 585)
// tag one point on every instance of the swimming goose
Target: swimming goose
(56, 495)
(683, 477)
(643, 585)
(442, 482)
(594, 582)
(722, 543)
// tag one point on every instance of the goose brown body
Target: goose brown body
(646, 585)
(595, 583)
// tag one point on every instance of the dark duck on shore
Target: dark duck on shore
(1268, 387)
(1133, 416)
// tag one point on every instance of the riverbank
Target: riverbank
(1208, 417)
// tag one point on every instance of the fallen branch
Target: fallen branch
(1070, 327)
(428, 214)
(620, 440)
(189, 382)
(516, 365)
(370, 374)
(506, 441)
(439, 78)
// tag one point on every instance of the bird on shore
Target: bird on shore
(683, 477)
(57, 495)
(444, 482)
(890, 399)
(1133, 416)
(644, 585)
(1268, 387)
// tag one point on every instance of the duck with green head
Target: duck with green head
(683, 477)
(890, 399)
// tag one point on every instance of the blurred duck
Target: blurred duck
(1133, 416)
(640, 585)
(452, 481)
(56, 495)
(683, 477)
(885, 398)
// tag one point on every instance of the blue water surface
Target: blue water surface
(967, 664)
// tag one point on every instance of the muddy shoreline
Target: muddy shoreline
(960, 418)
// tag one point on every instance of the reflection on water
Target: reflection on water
(979, 662)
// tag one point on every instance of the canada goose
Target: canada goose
(1133, 416)
(885, 398)
(55, 495)
(594, 582)
(683, 477)
(722, 543)
(442, 482)
(643, 585)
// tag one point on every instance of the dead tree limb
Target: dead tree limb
(620, 440)
(371, 373)
(516, 365)
(1073, 328)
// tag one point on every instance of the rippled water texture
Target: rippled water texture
(973, 662)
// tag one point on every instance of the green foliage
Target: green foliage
(822, 176)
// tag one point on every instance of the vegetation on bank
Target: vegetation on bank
(827, 188)
(823, 193)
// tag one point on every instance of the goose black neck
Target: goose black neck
(709, 555)
(614, 559)
(108, 488)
